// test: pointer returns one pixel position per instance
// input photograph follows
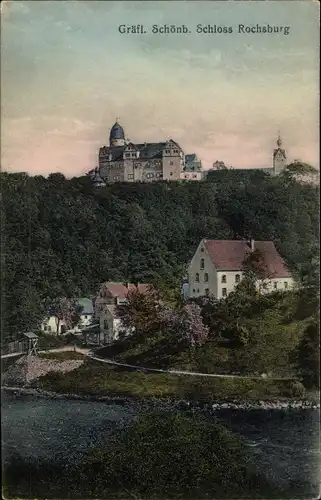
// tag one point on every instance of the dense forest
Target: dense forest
(64, 237)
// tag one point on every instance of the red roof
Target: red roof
(143, 287)
(120, 290)
(228, 255)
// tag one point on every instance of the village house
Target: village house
(49, 324)
(110, 296)
(87, 314)
(217, 267)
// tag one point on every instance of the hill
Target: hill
(63, 238)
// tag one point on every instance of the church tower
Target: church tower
(117, 135)
(279, 157)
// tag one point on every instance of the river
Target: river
(284, 444)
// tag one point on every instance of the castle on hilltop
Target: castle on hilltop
(124, 161)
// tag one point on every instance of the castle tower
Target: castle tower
(279, 157)
(117, 135)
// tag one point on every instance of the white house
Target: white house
(217, 267)
(110, 296)
(49, 325)
(87, 313)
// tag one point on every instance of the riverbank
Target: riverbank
(166, 402)
(92, 380)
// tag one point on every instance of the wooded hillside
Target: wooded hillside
(63, 238)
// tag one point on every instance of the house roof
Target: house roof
(95, 328)
(191, 157)
(143, 287)
(147, 150)
(229, 255)
(86, 304)
(30, 335)
(120, 290)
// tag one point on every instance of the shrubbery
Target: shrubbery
(162, 455)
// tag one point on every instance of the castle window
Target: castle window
(197, 277)
(237, 278)
(202, 264)
(224, 292)
(205, 278)
(223, 279)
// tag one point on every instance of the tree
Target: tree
(308, 356)
(301, 171)
(65, 310)
(61, 238)
(187, 323)
(140, 313)
(256, 270)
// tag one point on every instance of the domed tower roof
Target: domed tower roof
(116, 132)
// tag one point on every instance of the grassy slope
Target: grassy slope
(274, 335)
(94, 378)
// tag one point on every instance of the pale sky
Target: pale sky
(67, 73)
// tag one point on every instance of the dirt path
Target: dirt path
(92, 355)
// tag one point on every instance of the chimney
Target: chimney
(252, 244)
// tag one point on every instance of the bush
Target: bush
(162, 455)
(297, 389)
